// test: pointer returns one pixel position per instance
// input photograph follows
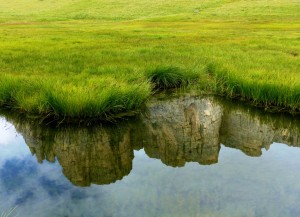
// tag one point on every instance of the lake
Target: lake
(183, 156)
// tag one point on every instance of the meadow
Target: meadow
(79, 59)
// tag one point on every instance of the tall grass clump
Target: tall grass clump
(8, 89)
(95, 101)
(169, 77)
(81, 98)
(270, 94)
(20, 93)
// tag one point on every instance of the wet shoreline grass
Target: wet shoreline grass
(74, 60)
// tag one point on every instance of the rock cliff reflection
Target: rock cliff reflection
(176, 131)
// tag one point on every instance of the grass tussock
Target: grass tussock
(89, 102)
(169, 77)
(275, 95)
(51, 98)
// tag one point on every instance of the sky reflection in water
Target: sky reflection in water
(157, 166)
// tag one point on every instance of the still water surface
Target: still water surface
(185, 156)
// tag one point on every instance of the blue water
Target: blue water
(236, 185)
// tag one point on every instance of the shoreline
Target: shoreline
(131, 115)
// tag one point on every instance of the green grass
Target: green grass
(94, 59)
(170, 77)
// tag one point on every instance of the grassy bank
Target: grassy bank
(94, 59)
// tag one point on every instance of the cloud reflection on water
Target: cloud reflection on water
(173, 132)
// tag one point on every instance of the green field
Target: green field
(98, 58)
